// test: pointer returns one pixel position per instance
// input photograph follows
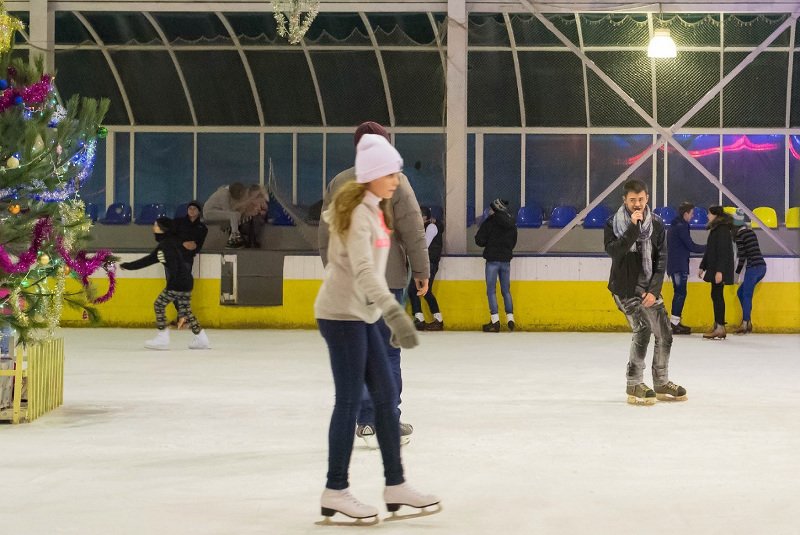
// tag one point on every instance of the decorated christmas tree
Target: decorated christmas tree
(46, 154)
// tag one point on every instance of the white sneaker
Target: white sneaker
(200, 341)
(160, 342)
(404, 494)
(341, 501)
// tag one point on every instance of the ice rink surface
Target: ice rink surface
(518, 433)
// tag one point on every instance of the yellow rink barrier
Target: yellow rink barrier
(39, 368)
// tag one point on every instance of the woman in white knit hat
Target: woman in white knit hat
(353, 297)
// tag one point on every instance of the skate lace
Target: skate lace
(671, 386)
(352, 499)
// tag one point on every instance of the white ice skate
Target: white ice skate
(160, 342)
(367, 434)
(403, 494)
(405, 433)
(341, 501)
(200, 341)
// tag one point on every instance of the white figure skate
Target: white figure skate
(396, 496)
(200, 341)
(341, 501)
(160, 342)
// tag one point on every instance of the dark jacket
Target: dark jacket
(435, 248)
(719, 250)
(188, 230)
(626, 264)
(679, 245)
(168, 252)
(498, 237)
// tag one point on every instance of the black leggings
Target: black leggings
(718, 298)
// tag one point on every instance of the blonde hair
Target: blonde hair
(345, 201)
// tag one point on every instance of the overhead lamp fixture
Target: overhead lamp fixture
(661, 44)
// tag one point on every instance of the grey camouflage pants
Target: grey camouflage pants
(643, 322)
(182, 303)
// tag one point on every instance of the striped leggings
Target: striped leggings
(182, 303)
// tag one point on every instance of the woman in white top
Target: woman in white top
(353, 297)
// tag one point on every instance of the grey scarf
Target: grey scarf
(622, 220)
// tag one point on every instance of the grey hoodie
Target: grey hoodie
(408, 238)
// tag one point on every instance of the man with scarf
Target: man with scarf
(634, 238)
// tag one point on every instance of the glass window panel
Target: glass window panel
(552, 83)
(631, 71)
(278, 152)
(355, 98)
(795, 103)
(86, 73)
(122, 28)
(423, 164)
(529, 31)
(470, 177)
(402, 29)
(751, 30)
(502, 169)
(682, 82)
(20, 53)
(69, 30)
(192, 27)
(25, 18)
(338, 28)
(488, 30)
(610, 156)
(223, 159)
(162, 104)
(690, 29)
(614, 30)
(122, 167)
(285, 88)
(756, 97)
(416, 83)
(253, 27)
(686, 183)
(94, 189)
(163, 170)
(555, 170)
(753, 168)
(340, 154)
(492, 90)
(222, 95)
(794, 171)
(309, 169)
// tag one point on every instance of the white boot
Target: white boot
(200, 341)
(161, 341)
(341, 501)
(404, 494)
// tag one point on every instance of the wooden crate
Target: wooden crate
(40, 369)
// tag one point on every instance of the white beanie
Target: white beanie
(376, 158)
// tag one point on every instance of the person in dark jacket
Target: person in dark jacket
(748, 252)
(717, 266)
(434, 231)
(634, 238)
(498, 237)
(169, 253)
(191, 231)
(679, 246)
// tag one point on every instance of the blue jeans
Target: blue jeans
(752, 276)
(679, 282)
(358, 355)
(493, 271)
(367, 414)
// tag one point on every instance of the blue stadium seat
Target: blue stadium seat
(92, 211)
(182, 210)
(117, 214)
(529, 216)
(561, 216)
(151, 212)
(699, 219)
(597, 217)
(666, 213)
(278, 216)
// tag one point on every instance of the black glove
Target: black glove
(123, 265)
(403, 332)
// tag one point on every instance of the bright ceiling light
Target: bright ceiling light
(662, 45)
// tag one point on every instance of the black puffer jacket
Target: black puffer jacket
(626, 264)
(498, 237)
(719, 250)
(169, 253)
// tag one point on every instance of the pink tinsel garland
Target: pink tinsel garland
(33, 94)
(42, 229)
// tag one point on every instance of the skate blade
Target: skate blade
(669, 397)
(633, 400)
(369, 442)
(428, 510)
(405, 440)
(355, 522)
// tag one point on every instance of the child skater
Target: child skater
(179, 285)
(434, 231)
(353, 297)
